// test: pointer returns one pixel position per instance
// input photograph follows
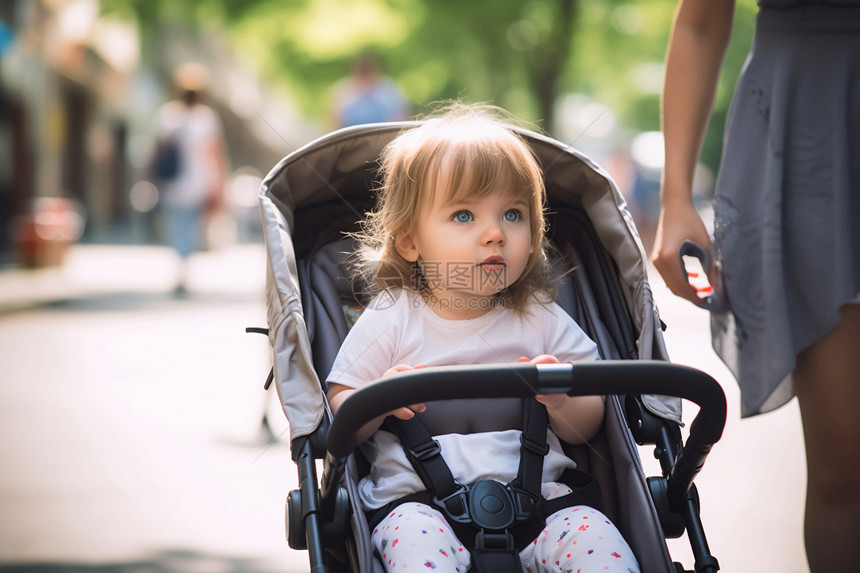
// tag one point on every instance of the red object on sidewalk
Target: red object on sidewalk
(44, 234)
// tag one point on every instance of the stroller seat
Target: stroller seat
(328, 295)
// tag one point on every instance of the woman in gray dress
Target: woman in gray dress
(786, 230)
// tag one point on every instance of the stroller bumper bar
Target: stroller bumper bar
(523, 380)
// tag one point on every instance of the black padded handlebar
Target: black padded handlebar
(525, 379)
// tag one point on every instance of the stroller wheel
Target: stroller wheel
(334, 530)
(672, 522)
(296, 537)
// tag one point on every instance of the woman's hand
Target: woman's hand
(679, 222)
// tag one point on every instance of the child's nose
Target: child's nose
(493, 234)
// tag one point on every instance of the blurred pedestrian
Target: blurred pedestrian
(786, 237)
(367, 96)
(191, 164)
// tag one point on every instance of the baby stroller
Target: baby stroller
(321, 191)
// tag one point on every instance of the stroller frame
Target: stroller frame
(328, 182)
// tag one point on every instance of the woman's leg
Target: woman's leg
(579, 538)
(416, 537)
(827, 383)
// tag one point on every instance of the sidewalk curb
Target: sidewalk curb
(103, 270)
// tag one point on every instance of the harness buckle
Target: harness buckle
(525, 503)
(491, 506)
(456, 505)
(486, 541)
(425, 450)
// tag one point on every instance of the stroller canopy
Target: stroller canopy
(322, 190)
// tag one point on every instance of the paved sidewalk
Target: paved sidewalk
(100, 270)
(131, 418)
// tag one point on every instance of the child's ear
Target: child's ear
(406, 247)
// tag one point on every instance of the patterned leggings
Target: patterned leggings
(416, 537)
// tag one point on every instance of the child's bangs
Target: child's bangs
(484, 168)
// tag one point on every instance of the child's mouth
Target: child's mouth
(492, 263)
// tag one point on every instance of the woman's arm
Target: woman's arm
(697, 45)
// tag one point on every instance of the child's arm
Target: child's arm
(337, 393)
(574, 419)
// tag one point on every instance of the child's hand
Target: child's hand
(574, 420)
(549, 400)
(407, 412)
(542, 359)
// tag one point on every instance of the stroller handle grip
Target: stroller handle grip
(525, 379)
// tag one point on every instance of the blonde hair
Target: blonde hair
(465, 151)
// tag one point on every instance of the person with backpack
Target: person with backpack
(190, 166)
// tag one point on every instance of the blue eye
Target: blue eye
(462, 217)
(513, 215)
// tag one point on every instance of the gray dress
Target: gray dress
(787, 202)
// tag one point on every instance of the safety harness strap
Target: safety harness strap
(533, 450)
(501, 519)
(426, 457)
(496, 553)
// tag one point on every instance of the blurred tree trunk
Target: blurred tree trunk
(549, 59)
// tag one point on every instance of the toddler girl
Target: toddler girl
(457, 246)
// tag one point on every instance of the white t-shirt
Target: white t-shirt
(399, 328)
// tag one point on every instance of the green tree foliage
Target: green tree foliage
(520, 54)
